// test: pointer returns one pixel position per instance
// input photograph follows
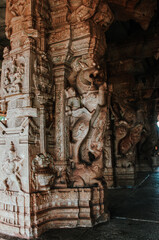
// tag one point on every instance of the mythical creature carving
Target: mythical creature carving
(87, 176)
(86, 106)
(11, 170)
(127, 133)
(43, 172)
(13, 77)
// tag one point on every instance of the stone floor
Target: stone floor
(134, 215)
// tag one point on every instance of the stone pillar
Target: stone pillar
(26, 86)
(108, 158)
(127, 133)
(59, 41)
(53, 66)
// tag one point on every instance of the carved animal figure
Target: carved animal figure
(85, 176)
(89, 82)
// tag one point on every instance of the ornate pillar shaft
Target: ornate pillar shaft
(59, 41)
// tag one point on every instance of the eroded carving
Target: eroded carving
(128, 132)
(17, 7)
(43, 172)
(13, 76)
(81, 10)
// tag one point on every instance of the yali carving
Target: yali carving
(87, 110)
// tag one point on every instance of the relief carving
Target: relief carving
(42, 78)
(128, 132)
(82, 10)
(87, 111)
(11, 170)
(13, 77)
(17, 7)
(43, 172)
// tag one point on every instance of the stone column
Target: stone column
(59, 41)
(26, 84)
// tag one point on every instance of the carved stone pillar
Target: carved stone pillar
(55, 89)
(59, 41)
(87, 90)
(128, 130)
(108, 158)
(26, 86)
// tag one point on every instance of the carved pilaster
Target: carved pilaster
(26, 89)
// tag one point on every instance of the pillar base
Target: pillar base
(57, 208)
(125, 176)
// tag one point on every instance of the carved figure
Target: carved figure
(86, 176)
(89, 126)
(132, 138)
(11, 170)
(43, 172)
(127, 133)
(79, 122)
(13, 77)
(82, 10)
(42, 77)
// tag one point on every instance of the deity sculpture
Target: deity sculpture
(11, 170)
